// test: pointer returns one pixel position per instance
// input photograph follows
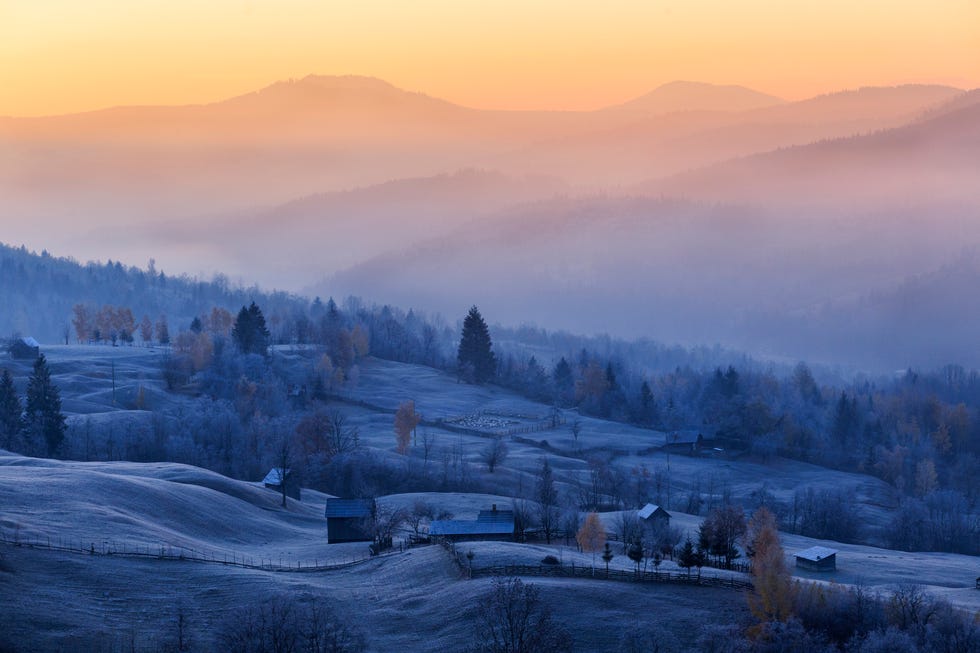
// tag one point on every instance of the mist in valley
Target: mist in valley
(695, 214)
(220, 322)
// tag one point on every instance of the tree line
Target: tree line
(36, 426)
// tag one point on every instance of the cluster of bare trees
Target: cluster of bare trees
(285, 625)
(513, 617)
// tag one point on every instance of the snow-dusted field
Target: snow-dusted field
(408, 601)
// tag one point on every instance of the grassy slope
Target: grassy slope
(181, 506)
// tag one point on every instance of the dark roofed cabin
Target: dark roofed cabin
(689, 442)
(25, 348)
(349, 520)
(817, 558)
(273, 481)
(654, 515)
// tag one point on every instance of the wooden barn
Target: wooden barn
(273, 481)
(817, 558)
(26, 348)
(653, 516)
(349, 520)
(686, 442)
(490, 524)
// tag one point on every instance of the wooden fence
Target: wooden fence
(621, 575)
(182, 554)
(469, 570)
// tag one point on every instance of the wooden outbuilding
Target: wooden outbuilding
(686, 442)
(817, 558)
(654, 516)
(274, 480)
(349, 520)
(26, 348)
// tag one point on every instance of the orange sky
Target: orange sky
(60, 56)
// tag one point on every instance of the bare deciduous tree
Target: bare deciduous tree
(512, 618)
(495, 453)
(281, 625)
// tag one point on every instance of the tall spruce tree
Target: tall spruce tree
(10, 412)
(476, 361)
(250, 332)
(43, 411)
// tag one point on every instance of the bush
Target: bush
(550, 560)
(513, 618)
(282, 624)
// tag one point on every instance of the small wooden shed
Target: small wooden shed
(817, 558)
(654, 516)
(26, 348)
(274, 480)
(686, 442)
(349, 520)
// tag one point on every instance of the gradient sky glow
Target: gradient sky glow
(59, 56)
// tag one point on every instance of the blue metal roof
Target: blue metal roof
(349, 507)
(461, 527)
(496, 515)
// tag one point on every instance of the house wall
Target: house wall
(346, 529)
(827, 564)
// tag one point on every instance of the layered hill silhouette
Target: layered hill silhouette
(326, 232)
(695, 96)
(928, 161)
(689, 272)
(661, 145)
(785, 208)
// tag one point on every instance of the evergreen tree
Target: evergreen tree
(43, 415)
(163, 331)
(547, 498)
(564, 382)
(649, 415)
(250, 332)
(10, 412)
(846, 420)
(476, 361)
(687, 557)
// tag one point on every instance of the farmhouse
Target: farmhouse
(27, 348)
(817, 558)
(687, 442)
(348, 520)
(490, 524)
(273, 481)
(654, 515)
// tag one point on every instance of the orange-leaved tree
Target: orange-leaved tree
(773, 597)
(591, 537)
(406, 419)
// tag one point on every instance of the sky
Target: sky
(62, 56)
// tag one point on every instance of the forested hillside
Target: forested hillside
(918, 432)
(38, 293)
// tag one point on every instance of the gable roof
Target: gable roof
(649, 510)
(815, 553)
(349, 508)
(30, 342)
(274, 477)
(495, 516)
(461, 527)
(684, 437)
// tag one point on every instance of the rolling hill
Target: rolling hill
(926, 162)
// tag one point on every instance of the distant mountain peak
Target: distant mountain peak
(683, 95)
(353, 82)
